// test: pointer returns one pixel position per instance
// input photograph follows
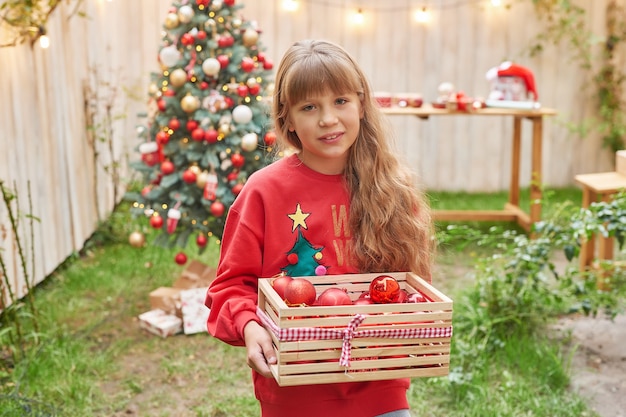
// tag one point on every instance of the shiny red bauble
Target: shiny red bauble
(167, 167)
(236, 188)
(180, 258)
(334, 297)
(211, 135)
(174, 124)
(384, 289)
(217, 209)
(191, 125)
(197, 134)
(223, 60)
(238, 160)
(280, 283)
(189, 176)
(269, 138)
(156, 221)
(416, 297)
(300, 292)
(201, 240)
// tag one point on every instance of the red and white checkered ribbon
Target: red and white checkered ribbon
(350, 332)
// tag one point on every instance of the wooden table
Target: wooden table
(511, 211)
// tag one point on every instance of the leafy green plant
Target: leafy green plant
(564, 21)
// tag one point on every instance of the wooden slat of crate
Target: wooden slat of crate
(372, 358)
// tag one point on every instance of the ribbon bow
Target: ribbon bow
(348, 335)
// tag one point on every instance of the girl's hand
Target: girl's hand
(260, 349)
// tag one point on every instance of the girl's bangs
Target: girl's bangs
(314, 76)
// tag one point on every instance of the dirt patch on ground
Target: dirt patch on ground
(598, 368)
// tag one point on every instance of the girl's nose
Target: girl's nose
(328, 118)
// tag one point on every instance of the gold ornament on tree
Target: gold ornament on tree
(171, 21)
(250, 37)
(137, 239)
(178, 77)
(190, 103)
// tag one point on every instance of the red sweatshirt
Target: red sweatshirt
(293, 219)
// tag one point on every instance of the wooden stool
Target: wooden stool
(603, 185)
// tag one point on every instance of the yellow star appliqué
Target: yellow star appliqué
(299, 218)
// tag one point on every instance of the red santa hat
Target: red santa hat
(509, 69)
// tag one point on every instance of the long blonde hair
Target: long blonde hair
(389, 217)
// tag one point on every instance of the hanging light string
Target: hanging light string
(441, 5)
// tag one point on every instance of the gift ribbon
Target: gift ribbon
(350, 332)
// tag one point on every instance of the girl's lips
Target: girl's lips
(331, 137)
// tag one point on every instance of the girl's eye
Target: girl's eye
(341, 101)
(308, 107)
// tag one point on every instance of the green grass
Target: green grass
(93, 359)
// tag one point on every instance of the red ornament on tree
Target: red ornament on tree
(237, 188)
(211, 135)
(238, 160)
(223, 60)
(191, 125)
(217, 209)
(156, 221)
(161, 104)
(197, 134)
(201, 240)
(384, 289)
(270, 138)
(174, 124)
(162, 138)
(229, 3)
(180, 258)
(167, 167)
(189, 176)
(247, 64)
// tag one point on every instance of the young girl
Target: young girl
(342, 204)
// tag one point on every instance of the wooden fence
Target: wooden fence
(68, 114)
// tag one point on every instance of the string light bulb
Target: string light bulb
(290, 5)
(422, 15)
(44, 41)
(358, 17)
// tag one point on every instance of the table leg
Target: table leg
(515, 161)
(536, 165)
(605, 244)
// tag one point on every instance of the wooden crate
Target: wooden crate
(309, 340)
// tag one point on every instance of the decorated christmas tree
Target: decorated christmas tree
(208, 122)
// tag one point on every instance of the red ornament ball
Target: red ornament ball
(161, 105)
(384, 289)
(201, 240)
(187, 39)
(211, 136)
(174, 124)
(280, 284)
(197, 134)
(270, 138)
(167, 167)
(217, 209)
(237, 188)
(299, 292)
(156, 221)
(223, 60)
(242, 90)
(180, 258)
(229, 3)
(191, 125)
(189, 176)
(238, 160)
(247, 64)
(162, 138)
(201, 35)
